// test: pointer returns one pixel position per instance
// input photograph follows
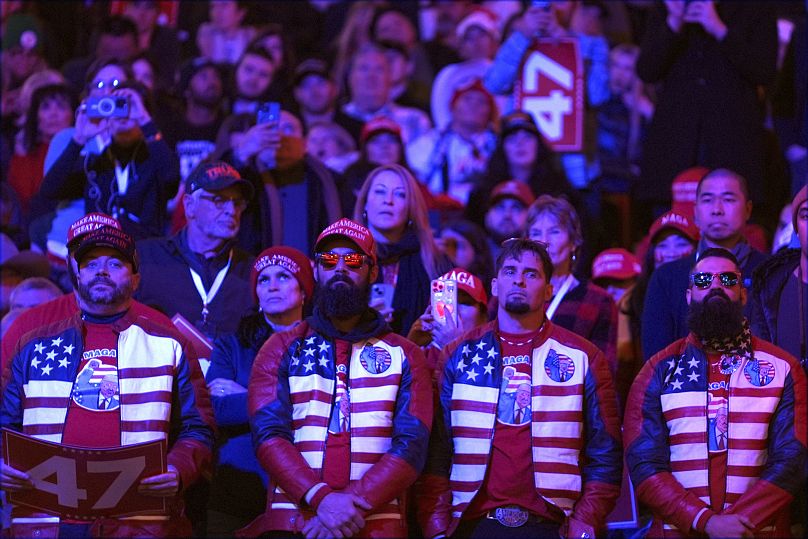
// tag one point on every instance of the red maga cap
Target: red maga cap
(513, 189)
(468, 283)
(352, 231)
(615, 264)
(291, 260)
(677, 221)
(89, 223)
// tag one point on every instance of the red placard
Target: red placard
(551, 88)
(201, 343)
(85, 484)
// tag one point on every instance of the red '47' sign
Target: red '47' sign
(551, 88)
(85, 484)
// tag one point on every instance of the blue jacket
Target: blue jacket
(767, 286)
(239, 483)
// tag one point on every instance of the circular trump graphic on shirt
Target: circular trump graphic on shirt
(758, 372)
(558, 367)
(375, 359)
(96, 387)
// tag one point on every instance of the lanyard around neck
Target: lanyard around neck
(122, 177)
(565, 287)
(208, 295)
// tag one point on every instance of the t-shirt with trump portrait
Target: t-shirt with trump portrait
(509, 480)
(94, 414)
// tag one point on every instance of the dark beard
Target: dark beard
(343, 301)
(116, 296)
(715, 319)
(516, 307)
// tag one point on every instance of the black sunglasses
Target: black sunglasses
(704, 279)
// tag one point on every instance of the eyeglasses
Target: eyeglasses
(330, 260)
(704, 279)
(114, 83)
(219, 201)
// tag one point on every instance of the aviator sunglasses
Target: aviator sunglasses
(330, 260)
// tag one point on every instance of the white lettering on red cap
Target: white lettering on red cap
(675, 218)
(461, 277)
(277, 260)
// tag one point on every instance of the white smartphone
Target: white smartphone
(444, 300)
(383, 292)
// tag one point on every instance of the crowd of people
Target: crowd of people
(225, 224)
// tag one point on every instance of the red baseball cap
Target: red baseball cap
(513, 189)
(291, 260)
(683, 189)
(678, 221)
(379, 124)
(482, 18)
(111, 237)
(89, 223)
(352, 231)
(475, 85)
(468, 283)
(615, 264)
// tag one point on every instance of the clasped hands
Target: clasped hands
(340, 514)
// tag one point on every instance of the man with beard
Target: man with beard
(721, 211)
(109, 340)
(199, 272)
(192, 131)
(715, 428)
(351, 477)
(65, 306)
(555, 471)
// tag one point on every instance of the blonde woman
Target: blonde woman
(391, 205)
(577, 304)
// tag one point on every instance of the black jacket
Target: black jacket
(708, 112)
(153, 182)
(768, 281)
(413, 286)
(166, 283)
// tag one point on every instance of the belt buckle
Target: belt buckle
(511, 516)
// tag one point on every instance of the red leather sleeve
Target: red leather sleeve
(191, 458)
(669, 499)
(287, 467)
(596, 502)
(384, 481)
(433, 504)
(761, 502)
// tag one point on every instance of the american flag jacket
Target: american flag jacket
(666, 438)
(162, 390)
(575, 428)
(291, 396)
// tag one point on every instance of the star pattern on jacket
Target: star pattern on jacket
(49, 359)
